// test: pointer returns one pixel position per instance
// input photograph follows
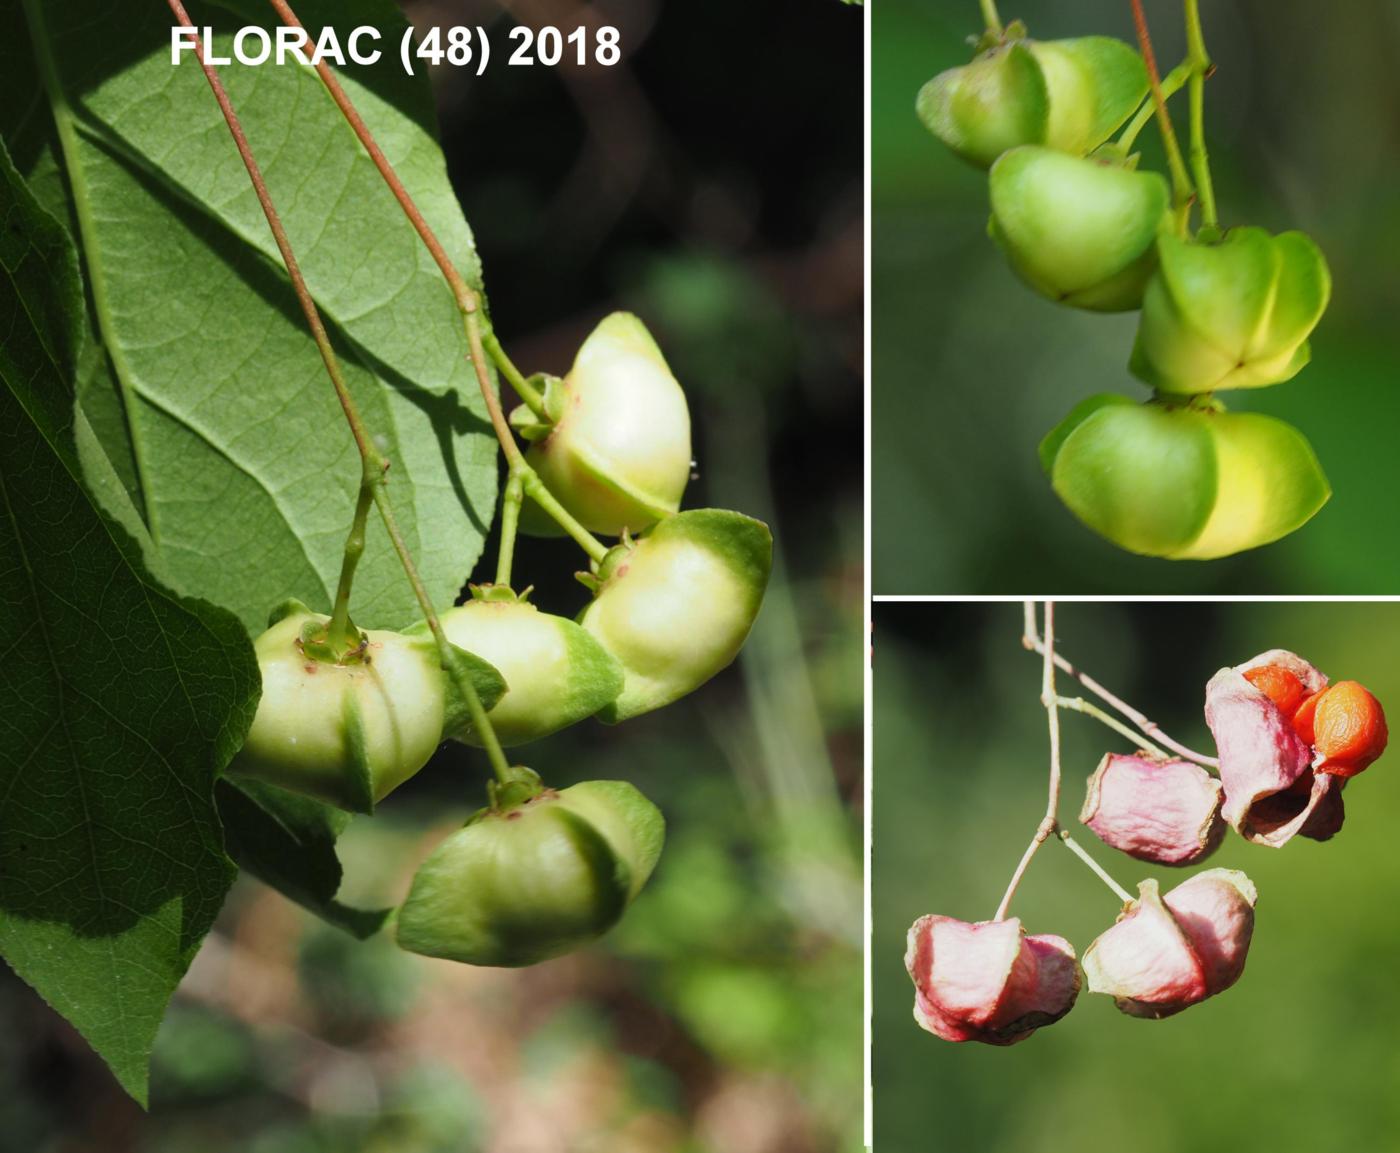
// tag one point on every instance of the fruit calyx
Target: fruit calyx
(533, 426)
(992, 38)
(520, 786)
(500, 594)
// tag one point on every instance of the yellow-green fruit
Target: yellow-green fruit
(618, 456)
(1187, 482)
(522, 884)
(675, 606)
(557, 673)
(350, 733)
(1081, 231)
(1069, 95)
(1235, 313)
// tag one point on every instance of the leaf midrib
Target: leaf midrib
(89, 252)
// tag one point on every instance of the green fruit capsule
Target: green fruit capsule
(557, 672)
(1186, 482)
(1235, 313)
(675, 606)
(350, 733)
(1082, 231)
(523, 883)
(616, 452)
(1069, 95)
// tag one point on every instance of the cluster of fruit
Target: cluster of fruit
(1176, 476)
(1288, 742)
(538, 872)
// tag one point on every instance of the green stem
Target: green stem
(1172, 83)
(1079, 705)
(467, 303)
(510, 519)
(1200, 69)
(506, 367)
(534, 487)
(449, 658)
(1079, 851)
(991, 18)
(1183, 192)
(341, 633)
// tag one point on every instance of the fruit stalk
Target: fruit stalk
(469, 304)
(1182, 188)
(1080, 705)
(341, 633)
(1172, 83)
(1201, 67)
(1148, 728)
(510, 520)
(1098, 870)
(506, 367)
(991, 18)
(373, 463)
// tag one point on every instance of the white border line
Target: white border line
(867, 743)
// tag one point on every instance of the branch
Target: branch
(372, 463)
(469, 304)
(1183, 192)
(1050, 822)
(1144, 726)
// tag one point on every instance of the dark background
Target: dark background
(971, 369)
(1298, 1057)
(712, 182)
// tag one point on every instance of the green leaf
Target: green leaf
(122, 701)
(288, 841)
(202, 382)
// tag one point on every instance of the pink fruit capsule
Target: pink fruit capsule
(988, 981)
(1155, 809)
(1166, 954)
(1266, 767)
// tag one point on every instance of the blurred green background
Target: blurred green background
(971, 369)
(723, 204)
(1298, 1057)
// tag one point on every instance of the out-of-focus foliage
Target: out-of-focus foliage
(959, 785)
(723, 1015)
(970, 369)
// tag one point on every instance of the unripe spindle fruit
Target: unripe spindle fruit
(556, 672)
(1183, 481)
(350, 733)
(1069, 95)
(533, 879)
(1233, 313)
(1079, 230)
(616, 451)
(675, 606)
